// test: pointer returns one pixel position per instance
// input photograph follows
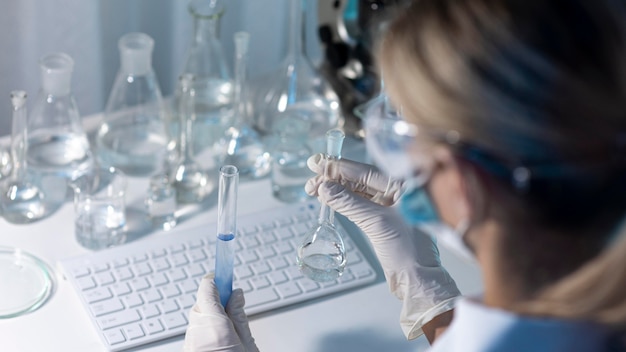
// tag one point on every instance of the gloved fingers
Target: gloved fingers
(208, 299)
(361, 178)
(234, 309)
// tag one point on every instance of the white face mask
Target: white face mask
(417, 209)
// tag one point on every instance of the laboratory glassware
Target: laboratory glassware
(226, 231)
(27, 282)
(56, 139)
(322, 254)
(100, 208)
(298, 85)
(290, 151)
(23, 198)
(241, 144)
(191, 181)
(213, 83)
(161, 202)
(132, 136)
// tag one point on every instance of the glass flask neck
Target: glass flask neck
(206, 16)
(295, 49)
(205, 29)
(19, 137)
(186, 111)
(241, 67)
(56, 74)
(136, 53)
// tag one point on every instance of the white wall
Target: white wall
(88, 31)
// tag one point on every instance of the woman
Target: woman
(511, 150)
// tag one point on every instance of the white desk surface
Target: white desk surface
(364, 319)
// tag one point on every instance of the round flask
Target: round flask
(56, 139)
(298, 86)
(22, 195)
(322, 254)
(132, 136)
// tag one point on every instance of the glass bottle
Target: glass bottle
(213, 82)
(22, 198)
(322, 254)
(56, 139)
(190, 180)
(298, 85)
(241, 144)
(132, 136)
(290, 152)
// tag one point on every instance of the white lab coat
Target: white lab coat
(478, 328)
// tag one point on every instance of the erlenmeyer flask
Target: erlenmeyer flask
(22, 198)
(132, 136)
(297, 85)
(241, 145)
(213, 82)
(322, 254)
(56, 139)
(191, 181)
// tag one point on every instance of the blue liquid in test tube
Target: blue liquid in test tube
(226, 230)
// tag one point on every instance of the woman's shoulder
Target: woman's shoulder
(476, 327)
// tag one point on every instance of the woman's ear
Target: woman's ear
(456, 189)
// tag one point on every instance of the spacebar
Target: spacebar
(258, 297)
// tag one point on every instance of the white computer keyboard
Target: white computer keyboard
(141, 292)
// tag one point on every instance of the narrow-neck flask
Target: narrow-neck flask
(297, 85)
(242, 146)
(22, 197)
(213, 83)
(132, 136)
(56, 139)
(191, 181)
(322, 254)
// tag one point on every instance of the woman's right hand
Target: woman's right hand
(409, 258)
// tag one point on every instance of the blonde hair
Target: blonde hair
(541, 84)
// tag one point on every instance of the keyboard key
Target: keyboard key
(168, 306)
(243, 272)
(133, 300)
(174, 320)
(259, 282)
(258, 297)
(153, 326)
(308, 285)
(106, 307)
(277, 277)
(143, 269)
(114, 337)
(86, 283)
(151, 296)
(118, 319)
(133, 331)
(150, 311)
(261, 268)
(120, 289)
(139, 284)
(98, 294)
(288, 289)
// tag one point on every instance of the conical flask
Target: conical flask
(132, 136)
(212, 78)
(322, 254)
(21, 195)
(241, 145)
(297, 85)
(56, 139)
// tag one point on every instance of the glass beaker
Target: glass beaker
(241, 144)
(322, 254)
(56, 139)
(132, 136)
(298, 85)
(213, 81)
(289, 150)
(22, 196)
(191, 181)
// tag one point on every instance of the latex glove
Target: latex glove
(409, 258)
(211, 328)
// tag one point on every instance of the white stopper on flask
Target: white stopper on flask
(136, 53)
(56, 73)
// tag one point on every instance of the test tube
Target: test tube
(226, 230)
